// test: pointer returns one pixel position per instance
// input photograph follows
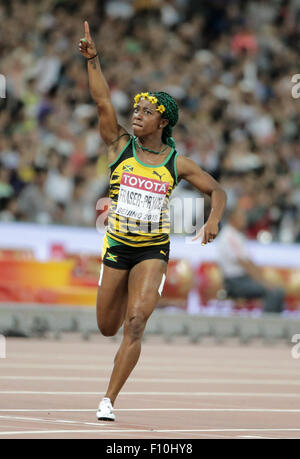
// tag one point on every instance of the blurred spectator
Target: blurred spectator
(6, 190)
(242, 277)
(228, 63)
(80, 211)
(34, 204)
(8, 209)
(47, 70)
(59, 185)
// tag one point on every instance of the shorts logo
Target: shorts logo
(111, 257)
(127, 168)
(164, 253)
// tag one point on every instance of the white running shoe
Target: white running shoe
(105, 410)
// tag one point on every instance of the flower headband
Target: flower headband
(152, 99)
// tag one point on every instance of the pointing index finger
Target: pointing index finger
(87, 31)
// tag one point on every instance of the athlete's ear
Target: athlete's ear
(163, 123)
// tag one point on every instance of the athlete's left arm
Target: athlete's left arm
(188, 170)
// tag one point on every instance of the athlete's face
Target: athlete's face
(146, 119)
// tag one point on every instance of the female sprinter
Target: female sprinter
(144, 169)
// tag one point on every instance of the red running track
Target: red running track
(51, 389)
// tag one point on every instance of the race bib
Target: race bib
(141, 198)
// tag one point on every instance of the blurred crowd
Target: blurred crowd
(229, 64)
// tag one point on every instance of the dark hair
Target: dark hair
(170, 113)
(79, 180)
(40, 169)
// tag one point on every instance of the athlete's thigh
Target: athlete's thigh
(112, 294)
(144, 287)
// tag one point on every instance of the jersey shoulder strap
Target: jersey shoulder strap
(171, 165)
(126, 153)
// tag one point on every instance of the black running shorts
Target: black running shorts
(124, 256)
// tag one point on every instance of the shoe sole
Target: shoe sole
(105, 419)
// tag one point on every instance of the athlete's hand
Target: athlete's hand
(86, 45)
(208, 232)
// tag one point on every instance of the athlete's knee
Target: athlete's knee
(135, 326)
(107, 329)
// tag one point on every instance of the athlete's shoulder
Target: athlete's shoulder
(185, 166)
(118, 145)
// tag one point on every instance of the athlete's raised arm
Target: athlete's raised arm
(188, 170)
(110, 131)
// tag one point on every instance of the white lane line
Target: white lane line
(53, 421)
(200, 410)
(249, 437)
(151, 360)
(263, 382)
(278, 429)
(168, 368)
(176, 394)
(105, 431)
(217, 410)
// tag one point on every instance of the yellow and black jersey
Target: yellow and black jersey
(139, 193)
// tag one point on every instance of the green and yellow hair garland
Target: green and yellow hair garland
(145, 95)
